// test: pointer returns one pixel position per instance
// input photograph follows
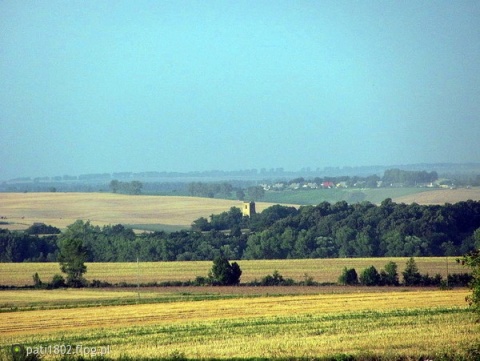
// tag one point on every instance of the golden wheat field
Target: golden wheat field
(412, 323)
(62, 209)
(322, 270)
(441, 196)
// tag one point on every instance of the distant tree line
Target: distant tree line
(133, 187)
(279, 232)
(210, 190)
(225, 190)
(408, 178)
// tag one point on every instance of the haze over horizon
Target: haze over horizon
(107, 86)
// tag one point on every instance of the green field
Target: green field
(316, 196)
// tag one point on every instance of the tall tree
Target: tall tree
(389, 274)
(411, 276)
(73, 254)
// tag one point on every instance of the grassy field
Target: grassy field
(391, 323)
(62, 209)
(322, 270)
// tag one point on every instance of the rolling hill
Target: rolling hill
(61, 209)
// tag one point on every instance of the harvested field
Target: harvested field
(441, 196)
(419, 323)
(322, 270)
(61, 209)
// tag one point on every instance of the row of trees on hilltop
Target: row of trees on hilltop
(279, 232)
(133, 187)
(408, 178)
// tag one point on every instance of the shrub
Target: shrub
(459, 279)
(426, 280)
(276, 279)
(201, 281)
(99, 284)
(308, 280)
(348, 277)
(37, 282)
(57, 282)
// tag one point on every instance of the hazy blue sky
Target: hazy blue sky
(108, 86)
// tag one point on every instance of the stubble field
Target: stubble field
(61, 209)
(246, 322)
(321, 270)
(411, 323)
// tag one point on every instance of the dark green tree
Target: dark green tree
(348, 277)
(472, 260)
(223, 273)
(73, 254)
(476, 238)
(389, 275)
(370, 277)
(201, 224)
(411, 276)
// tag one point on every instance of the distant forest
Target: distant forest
(279, 232)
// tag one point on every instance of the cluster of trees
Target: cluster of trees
(371, 277)
(133, 187)
(223, 273)
(358, 230)
(408, 178)
(279, 232)
(210, 190)
(224, 190)
(42, 228)
(23, 247)
(411, 277)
